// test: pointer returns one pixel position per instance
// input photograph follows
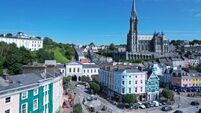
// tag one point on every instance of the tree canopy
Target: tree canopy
(167, 93)
(130, 98)
(95, 87)
(13, 58)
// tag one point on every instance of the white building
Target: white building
(77, 69)
(21, 39)
(193, 62)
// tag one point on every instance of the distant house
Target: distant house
(31, 43)
(178, 62)
(194, 62)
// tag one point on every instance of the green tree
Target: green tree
(130, 98)
(1, 65)
(167, 93)
(95, 87)
(112, 47)
(77, 108)
(16, 68)
(188, 54)
(85, 78)
(9, 35)
(67, 79)
(43, 55)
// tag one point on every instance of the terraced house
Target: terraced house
(186, 80)
(119, 80)
(152, 85)
(31, 93)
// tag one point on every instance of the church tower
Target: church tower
(132, 41)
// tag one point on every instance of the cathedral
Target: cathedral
(144, 43)
(142, 46)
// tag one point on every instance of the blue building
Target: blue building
(152, 85)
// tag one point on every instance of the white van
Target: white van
(156, 103)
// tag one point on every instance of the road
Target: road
(184, 104)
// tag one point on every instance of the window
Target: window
(35, 92)
(7, 111)
(45, 99)
(84, 71)
(45, 87)
(129, 90)
(24, 95)
(129, 82)
(91, 71)
(24, 108)
(141, 89)
(129, 76)
(136, 89)
(135, 82)
(123, 82)
(7, 100)
(122, 76)
(74, 70)
(70, 70)
(35, 104)
(141, 81)
(122, 90)
(78, 70)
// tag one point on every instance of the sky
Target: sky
(100, 21)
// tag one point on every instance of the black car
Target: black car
(147, 105)
(166, 108)
(199, 111)
(121, 105)
(195, 103)
(178, 111)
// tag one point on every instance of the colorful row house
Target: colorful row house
(152, 85)
(119, 80)
(31, 93)
(186, 80)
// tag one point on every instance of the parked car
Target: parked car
(164, 103)
(156, 103)
(121, 106)
(199, 111)
(142, 106)
(178, 111)
(135, 106)
(151, 104)
(195, 103)
(147, 105)
(166, 108)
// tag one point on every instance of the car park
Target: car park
(166, 108)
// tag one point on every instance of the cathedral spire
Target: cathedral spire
(134, 7)
(133, 12)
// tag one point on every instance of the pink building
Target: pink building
(181, 79)
(186, 62)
